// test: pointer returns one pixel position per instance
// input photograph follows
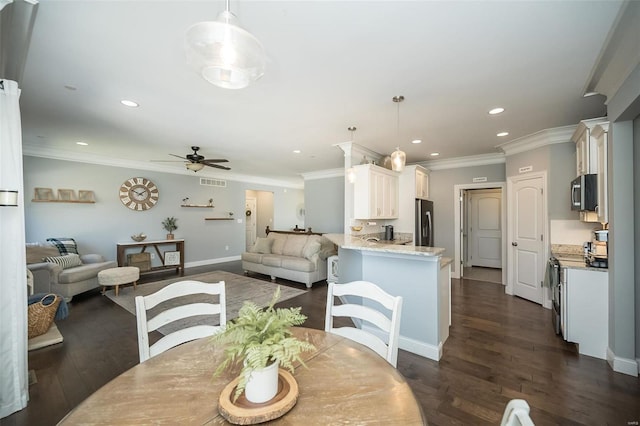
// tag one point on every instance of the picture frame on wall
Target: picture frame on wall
(171, 258)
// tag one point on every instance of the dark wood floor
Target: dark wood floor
(499, 348)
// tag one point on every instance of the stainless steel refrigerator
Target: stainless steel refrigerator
(424, 223)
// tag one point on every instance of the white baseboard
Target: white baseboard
(211, 261)
(622, 365)
(411, 345)
(420, 348)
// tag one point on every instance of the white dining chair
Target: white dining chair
(374, 329)
(517, 414)
(187, 333)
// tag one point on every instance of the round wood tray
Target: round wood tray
(243, 412)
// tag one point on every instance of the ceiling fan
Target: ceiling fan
(197, 162)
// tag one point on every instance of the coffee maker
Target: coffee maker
(597, 250)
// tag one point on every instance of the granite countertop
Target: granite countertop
(358, 243)
(572, 257)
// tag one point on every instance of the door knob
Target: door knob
(515, 244)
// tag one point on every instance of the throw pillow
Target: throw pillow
(262, 245)
(311, 248)
(65, 245)
(67, 261)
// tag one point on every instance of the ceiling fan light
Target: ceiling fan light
(195, 167)
(398, 160)
(225, 54)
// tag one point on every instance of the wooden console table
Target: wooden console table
(179, 247)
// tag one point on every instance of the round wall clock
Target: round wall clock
(139, 193)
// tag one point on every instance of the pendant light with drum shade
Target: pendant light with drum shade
(398, 158)
(225, 54)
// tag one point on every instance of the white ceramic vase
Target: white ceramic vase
(262, 384)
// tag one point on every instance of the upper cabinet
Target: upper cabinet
(422, 183)
(586, 148)
(375, 193)
(600, 134)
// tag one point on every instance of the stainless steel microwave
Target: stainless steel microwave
(584, 192)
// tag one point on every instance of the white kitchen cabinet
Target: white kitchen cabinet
(375, 193)
(422, 183)
(586, 148)
(587, 310)
(600, 133)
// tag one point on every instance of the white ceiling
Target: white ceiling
(331, 65)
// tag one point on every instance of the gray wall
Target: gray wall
(441, 183)
(562, 169)
(324, 203)
(559, 161)
(98, 227)
(636, 184)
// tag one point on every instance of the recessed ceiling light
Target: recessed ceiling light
(129, 103)
(416, 141)
(501, 134)
(296, 151)
(434, 154)
(82, 143)
(496, 111)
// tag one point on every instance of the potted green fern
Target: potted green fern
(170, 224)
(261, 339)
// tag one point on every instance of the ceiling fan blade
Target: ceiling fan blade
(179, 156)
(217, 166)
(214, 160)
(167, 161)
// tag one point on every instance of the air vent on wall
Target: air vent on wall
(213, 182)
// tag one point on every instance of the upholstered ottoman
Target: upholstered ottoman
(118, 276)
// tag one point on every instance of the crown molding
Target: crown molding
(538, 139)
(323, 174)
(459, 162)
(57, 154)
(351, 148)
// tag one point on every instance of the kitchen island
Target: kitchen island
(419, 274)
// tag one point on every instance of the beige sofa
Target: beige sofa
(292, 256)
(50, 277)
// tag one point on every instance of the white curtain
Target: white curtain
(14, 386)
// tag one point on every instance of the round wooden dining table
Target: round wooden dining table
(343, 383)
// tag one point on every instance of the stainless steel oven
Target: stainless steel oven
(555, 283)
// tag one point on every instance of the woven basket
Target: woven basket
(40, 314)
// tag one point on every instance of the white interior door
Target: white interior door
(250, 221)
(485, 230)
(527, 232)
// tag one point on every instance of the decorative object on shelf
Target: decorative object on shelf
(141, 261)
(171, 258)
(398, 158)
(139, 237)
(86, 196)
(139, 193)
(66, 195)
(8, 198)
(230, 214)
(170, 225)
(42, 194)
(223, 53)
(258, 338)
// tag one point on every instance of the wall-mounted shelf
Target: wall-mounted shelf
(63, 201)
(46, 195)
(218, 218)
(197, 205)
